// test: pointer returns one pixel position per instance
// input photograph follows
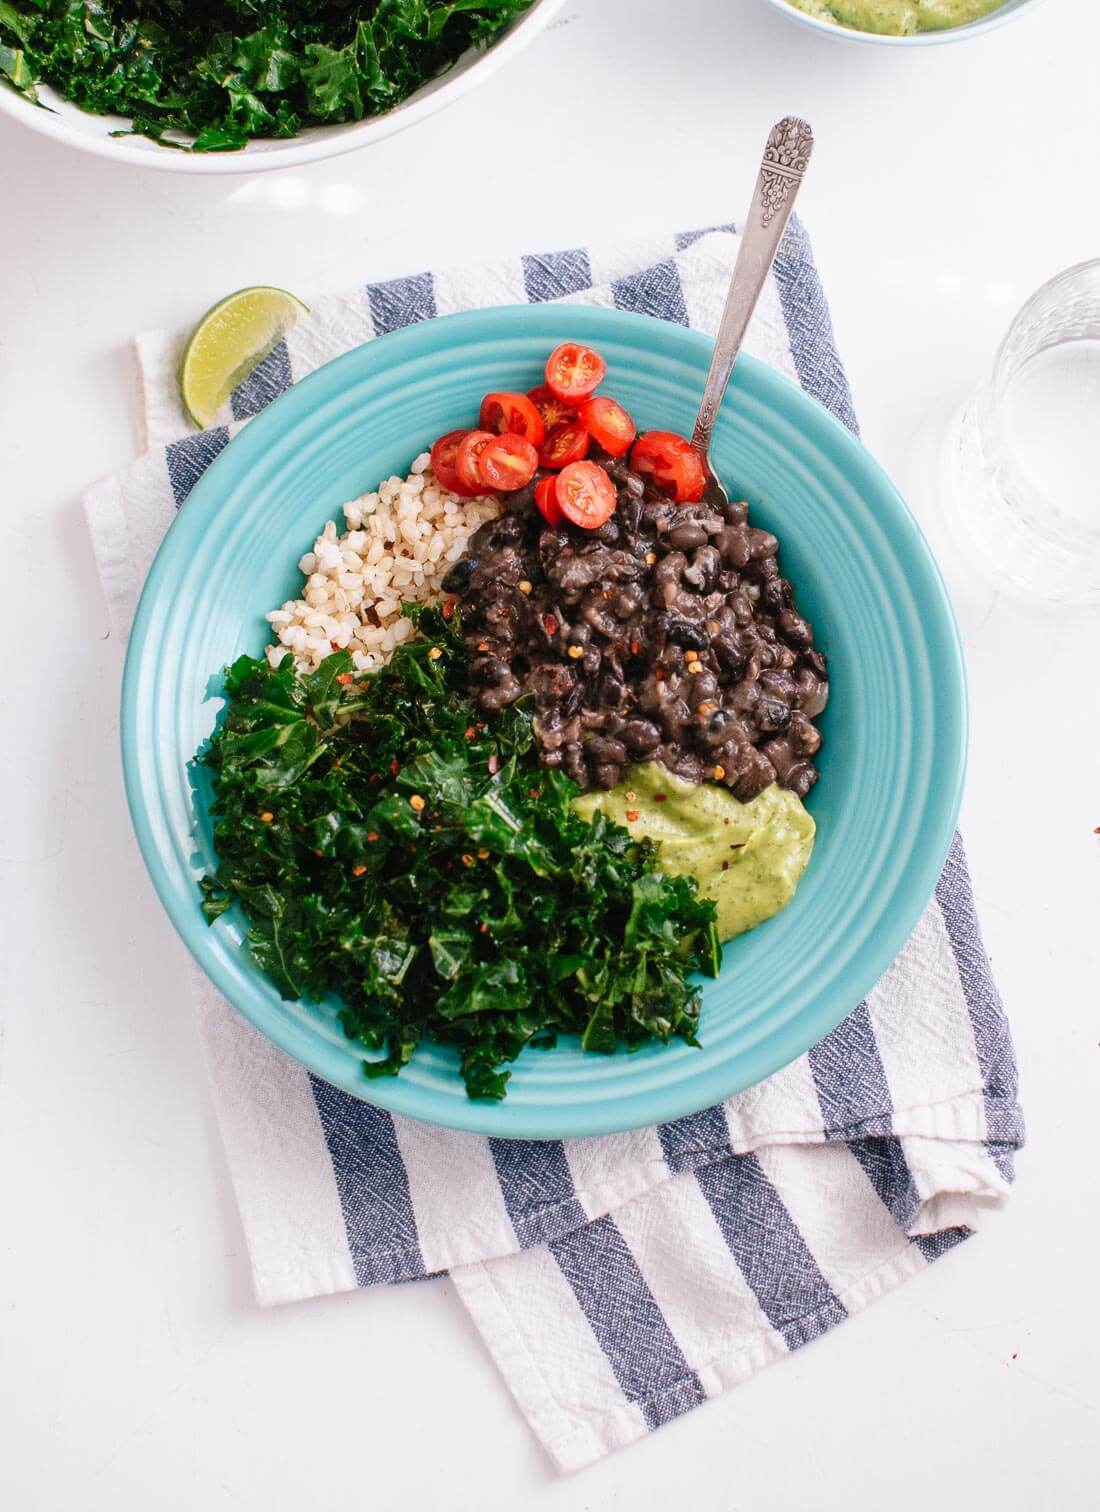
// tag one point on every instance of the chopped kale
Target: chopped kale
(388, 846)
(215, 73)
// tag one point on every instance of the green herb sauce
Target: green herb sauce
(747, 857)
(898, 18)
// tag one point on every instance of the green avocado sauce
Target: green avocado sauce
(748, 857)
(898, 18)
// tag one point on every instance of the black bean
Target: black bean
(805, 738)
(775, 595)
(687, 536)
(606, 774)
(459, 575)
(730, 651)
(705, 567)
(641, 735)
(794, 629)
(551, 680)
(688, 633)
(770, 715)
(733, 543)
(756, 774)
(604, 748)
(762, 544)
(505, 693)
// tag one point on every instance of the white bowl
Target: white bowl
(1009, 11)
(65, 122)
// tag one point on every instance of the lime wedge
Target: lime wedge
(228, 343)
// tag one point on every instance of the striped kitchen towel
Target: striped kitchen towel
(617, 1281)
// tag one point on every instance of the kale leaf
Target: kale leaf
(390, 847)
(211, 74)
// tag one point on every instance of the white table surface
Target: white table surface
(135, 1370)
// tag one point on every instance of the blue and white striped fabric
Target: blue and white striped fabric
(617, 1281)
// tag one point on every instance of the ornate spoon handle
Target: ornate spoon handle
(790, 144)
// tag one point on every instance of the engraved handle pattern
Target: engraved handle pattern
(785, 159)
(786, 155)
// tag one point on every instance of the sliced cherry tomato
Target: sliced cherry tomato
(546, 497)
(608, 424)
(554, 411)
(469, 450)
(507, 463)
(574, 371)
(671, 463)
(586, 495)
(565, 443)
(514, 415)
(444, 453)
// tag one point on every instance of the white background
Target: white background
(135, 1371)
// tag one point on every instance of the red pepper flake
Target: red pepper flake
(394, 768)
(266, 817)
(550, 625)
(532, 792)
(357, 871)
(484, 928)
(316, 853)
(1096, 831)
(739, 846)
(344, 678)
(660, 797)
(335, 762)
(469, 732)
(725, 821)
(449, 608)
(493, 764)
(635, 647)
(483, 645)
(374, 778)
(372, 835)
(660, 674)
(632, 815)
(725, 866)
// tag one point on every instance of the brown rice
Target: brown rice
(399, 545)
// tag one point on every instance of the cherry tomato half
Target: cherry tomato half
(444, 453)
(514, 415)
(469, 450)
(507, 463)
(574, 371)
(586, 495)
(608, 424)
(565, 443)
(671, 463)
(546, 497)
(554, 411)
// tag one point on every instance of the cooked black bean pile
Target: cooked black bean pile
(665, 635)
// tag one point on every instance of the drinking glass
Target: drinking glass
(1024, 455)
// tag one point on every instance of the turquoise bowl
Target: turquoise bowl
(895, 729)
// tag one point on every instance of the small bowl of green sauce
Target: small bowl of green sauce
(905, 22)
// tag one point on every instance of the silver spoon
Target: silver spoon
(786, 156)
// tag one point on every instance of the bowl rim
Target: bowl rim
(316, 142)
(1011, 10)
(637, 1108)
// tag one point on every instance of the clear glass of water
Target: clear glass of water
(1024, 455)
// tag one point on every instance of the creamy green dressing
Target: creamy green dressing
(748, 857)
(897, 18)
